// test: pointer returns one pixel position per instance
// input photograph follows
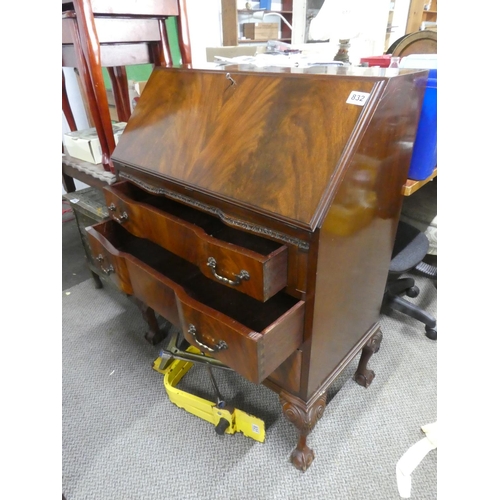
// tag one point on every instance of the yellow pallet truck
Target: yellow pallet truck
(174, 363)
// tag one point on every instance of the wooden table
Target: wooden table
(411, 186)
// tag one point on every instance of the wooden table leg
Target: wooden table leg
(304, 416)
(154, 334)
(97, 279)
(363, 375)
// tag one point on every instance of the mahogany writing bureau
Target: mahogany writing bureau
(257, 210)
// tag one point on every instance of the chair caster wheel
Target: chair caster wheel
(413, 292)
(431, 333)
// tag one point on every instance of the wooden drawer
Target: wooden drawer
(106, 258)
(253, 265)
(250, 336)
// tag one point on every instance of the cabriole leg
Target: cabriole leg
(304, 416)
(363, 375)
(97, 279)
(154, 334)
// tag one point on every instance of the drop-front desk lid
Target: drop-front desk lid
(273, 141)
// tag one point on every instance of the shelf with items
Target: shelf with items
(234, 20)
(422, 15)
(390, 27)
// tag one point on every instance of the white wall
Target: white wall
(205, 27)
(78, 109)
(75, 101)
(368, 19)
(363, 22)
(399, 20)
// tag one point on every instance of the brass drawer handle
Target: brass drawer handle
(106, 271)
(244, 275)
(220, 346)
(120, 219)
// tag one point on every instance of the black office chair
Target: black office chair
(410, 248)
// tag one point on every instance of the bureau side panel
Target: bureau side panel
(357, 235)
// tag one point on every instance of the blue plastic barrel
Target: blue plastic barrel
(424, 157)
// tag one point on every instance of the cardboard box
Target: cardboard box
(261, 31)
(139, 87)
(84, 144)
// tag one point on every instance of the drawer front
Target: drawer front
(213, 318)
(255, 355)
(258, 275)
(153, 289)
(107, 259)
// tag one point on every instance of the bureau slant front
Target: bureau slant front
(257, 210)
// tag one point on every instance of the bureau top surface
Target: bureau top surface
(273, 142)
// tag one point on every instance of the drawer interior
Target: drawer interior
(243, 308)
(212, 225)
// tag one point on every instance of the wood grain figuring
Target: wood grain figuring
(201, 130)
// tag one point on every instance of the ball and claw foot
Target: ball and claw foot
(364, 379)
(303, 415)
(302, 458)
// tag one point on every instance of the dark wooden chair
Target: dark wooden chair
(73, 167)
(113, 34)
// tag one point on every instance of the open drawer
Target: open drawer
(250, 336)
(251, 264)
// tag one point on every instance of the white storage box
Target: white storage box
(419, 61)
(84, 144)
